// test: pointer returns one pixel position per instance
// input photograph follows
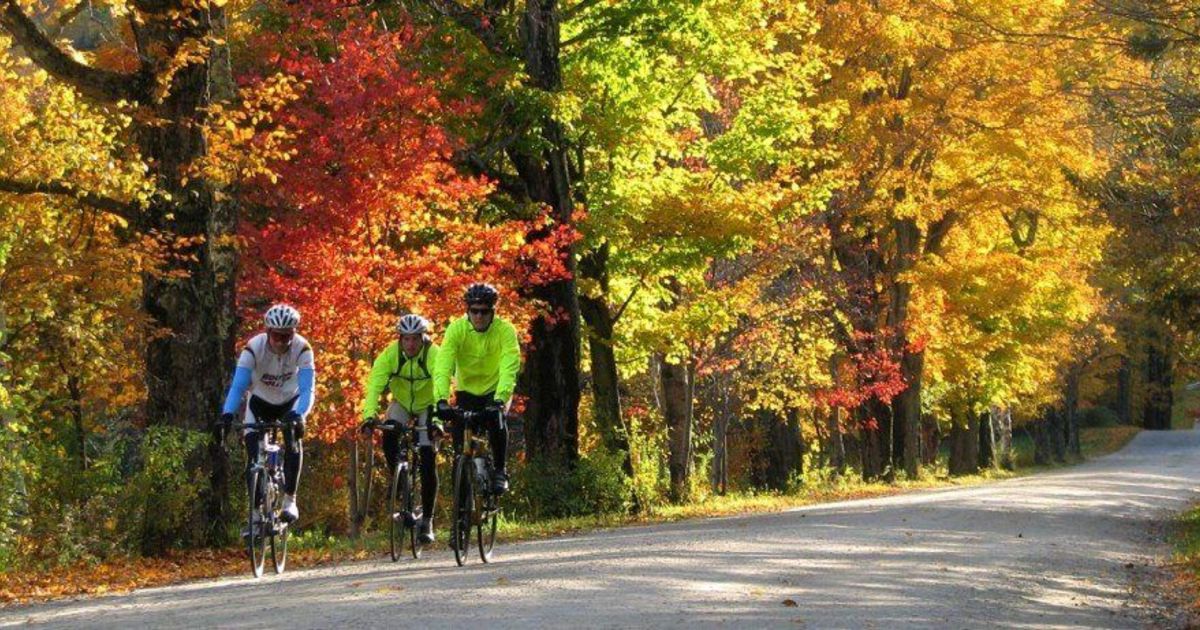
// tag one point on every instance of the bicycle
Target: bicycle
(266, 500)
(473, 470)
(404, 494)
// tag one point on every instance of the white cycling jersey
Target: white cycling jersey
(275, 376)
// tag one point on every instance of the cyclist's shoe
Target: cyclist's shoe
(426, 536)
(246, 529)
(499, 482)
(290, 511)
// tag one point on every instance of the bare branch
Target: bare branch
(102, 85)
(123, 209)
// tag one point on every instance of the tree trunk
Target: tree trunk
(677, 390)
(1002, 440)
(1125, 391)
(721, 415)
(931, 441)
(551, 375)
(987, 440)
(780, 454)
(190, 298)
(606, 407)
(964, 444)
(76, 406)
(835, 446)
(907, 405)
(1160, 381)
(874, 416)
(193, 298)
(1049, 437)
(1071, 410)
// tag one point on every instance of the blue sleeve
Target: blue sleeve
(305, 378)
(237, 389)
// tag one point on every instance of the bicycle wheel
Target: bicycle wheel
(489, 517)
(413, 507)
(256, 542)
(278, 530)
(397, 519)
(464, 505)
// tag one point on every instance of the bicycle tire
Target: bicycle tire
(464, 498)
(396, 517)
(279, 537)
(413, 506)
(487, 520)
(256, 543)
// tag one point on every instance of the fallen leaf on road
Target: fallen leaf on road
(790, 603)
(502, 580)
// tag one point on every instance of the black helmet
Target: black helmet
(480, 293)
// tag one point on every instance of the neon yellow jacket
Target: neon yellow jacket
(483, 362)
(410, 383)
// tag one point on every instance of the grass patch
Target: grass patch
(1185, 408)
(1186, 563)
(1097, 441)
(310, 548)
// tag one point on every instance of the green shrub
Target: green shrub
(545, 489)
(1098, 417)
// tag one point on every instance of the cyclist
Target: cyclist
(277, 367)
(403, 368)
(482, 351)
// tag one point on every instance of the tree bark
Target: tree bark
(874, 423)
(606, 407)
(987, 440)
(677, 390)
(721, 415)
(964, 444)
(551, 375)
(1071, 409)
(780, 454)
(1125, 391)
(74, 390)
(1002, 425)
(1160, 381)
(907, 405)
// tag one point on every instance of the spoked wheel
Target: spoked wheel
(489, 517)
(464, 505)
(256, 541)
(414, 510)
(399, 523)
(279, 532)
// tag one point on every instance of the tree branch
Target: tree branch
(102, 85)
(474, 23)
(125, 210)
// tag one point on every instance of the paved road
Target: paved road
(1052, 550)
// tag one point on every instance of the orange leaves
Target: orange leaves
(118, 575)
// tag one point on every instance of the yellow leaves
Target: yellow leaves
(245, 139)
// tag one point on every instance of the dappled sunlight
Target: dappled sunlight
(1043, 551)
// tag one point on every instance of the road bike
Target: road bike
(404, 494)
(475, 505)
(265, 524)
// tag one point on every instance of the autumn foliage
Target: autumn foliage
(772, 242)
(369, 219)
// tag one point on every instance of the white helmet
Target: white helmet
(412, 324)
(282, 316)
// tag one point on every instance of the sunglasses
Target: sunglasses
(479, 311)
(281, 335)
